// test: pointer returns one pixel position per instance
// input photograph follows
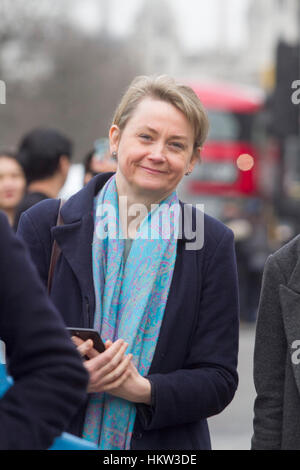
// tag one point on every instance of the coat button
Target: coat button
(137, 435)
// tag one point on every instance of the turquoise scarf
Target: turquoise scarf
(130, 301)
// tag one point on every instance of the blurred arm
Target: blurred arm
(49, 378)
(269, 362)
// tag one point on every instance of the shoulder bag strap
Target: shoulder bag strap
(55, 250)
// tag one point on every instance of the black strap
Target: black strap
(55, 249)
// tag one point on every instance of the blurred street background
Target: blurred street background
(66, 63)
(233, 428)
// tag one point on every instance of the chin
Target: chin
(151, 185)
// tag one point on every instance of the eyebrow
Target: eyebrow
(179, 137)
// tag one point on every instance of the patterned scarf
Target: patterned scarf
(130, 301)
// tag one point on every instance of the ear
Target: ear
(64, 164)
(196, 158)
(114, 138)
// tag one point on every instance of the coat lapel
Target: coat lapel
(75, 241)
(75, 236)
(290, 304)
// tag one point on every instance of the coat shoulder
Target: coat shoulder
(213, 229)
(44, 213)
(39, 219)
(288, 256)
(208, 232)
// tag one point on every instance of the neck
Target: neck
(10, 213)
(50, 187)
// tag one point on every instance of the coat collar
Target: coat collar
(75, 237)
(80, 207)
(75, 240)
(81, 204)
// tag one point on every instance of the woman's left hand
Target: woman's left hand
(135, 388)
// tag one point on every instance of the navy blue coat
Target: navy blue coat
(193, 371)
(49, 378)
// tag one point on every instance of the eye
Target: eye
(177, 145)
(145, 137)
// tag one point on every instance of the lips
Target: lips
(9, 195)
(152, 171)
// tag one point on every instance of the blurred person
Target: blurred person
(45, 156)
(49, 378)
(168, 313)
(277, 353)
(12, 184)
(95, 164)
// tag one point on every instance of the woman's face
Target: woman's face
(155, 149)
(12, 183)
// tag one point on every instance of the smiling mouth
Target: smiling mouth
(151, 170)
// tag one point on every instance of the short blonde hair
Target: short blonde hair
(164, 88)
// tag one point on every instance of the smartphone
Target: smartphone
(88, 333)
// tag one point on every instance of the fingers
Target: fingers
(83, 347)
(114, 375)
(107, 361)
(110, 368)
(113, 386)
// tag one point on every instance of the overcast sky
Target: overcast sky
(201, 23)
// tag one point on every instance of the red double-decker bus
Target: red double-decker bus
(231, 168)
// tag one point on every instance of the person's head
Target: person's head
(44, 153)
(12, 181)
(157, 133)
(94, 165)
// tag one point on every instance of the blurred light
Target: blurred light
(284, 232)
(241, 228)
(293, 189)
(245, 162)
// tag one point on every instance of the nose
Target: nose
(157, 153)
(8, 183)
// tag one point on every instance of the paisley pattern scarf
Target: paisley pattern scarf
(130, 301)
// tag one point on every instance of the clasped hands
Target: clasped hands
(113, 372)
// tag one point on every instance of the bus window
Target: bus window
(225, 172)
(226, 126)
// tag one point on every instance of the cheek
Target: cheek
(179, 167)
(128, 159)
(16, 185)
(20, 187)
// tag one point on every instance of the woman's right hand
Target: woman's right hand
(107, 370)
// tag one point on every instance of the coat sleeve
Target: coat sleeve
(49, 378)
(208, 381)
(269, 362)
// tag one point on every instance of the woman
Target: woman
(277, 353)
(172, 305)
(12, 184)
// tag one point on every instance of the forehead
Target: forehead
(9, 164)
(157, 113)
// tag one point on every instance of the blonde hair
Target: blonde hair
(164, 88)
